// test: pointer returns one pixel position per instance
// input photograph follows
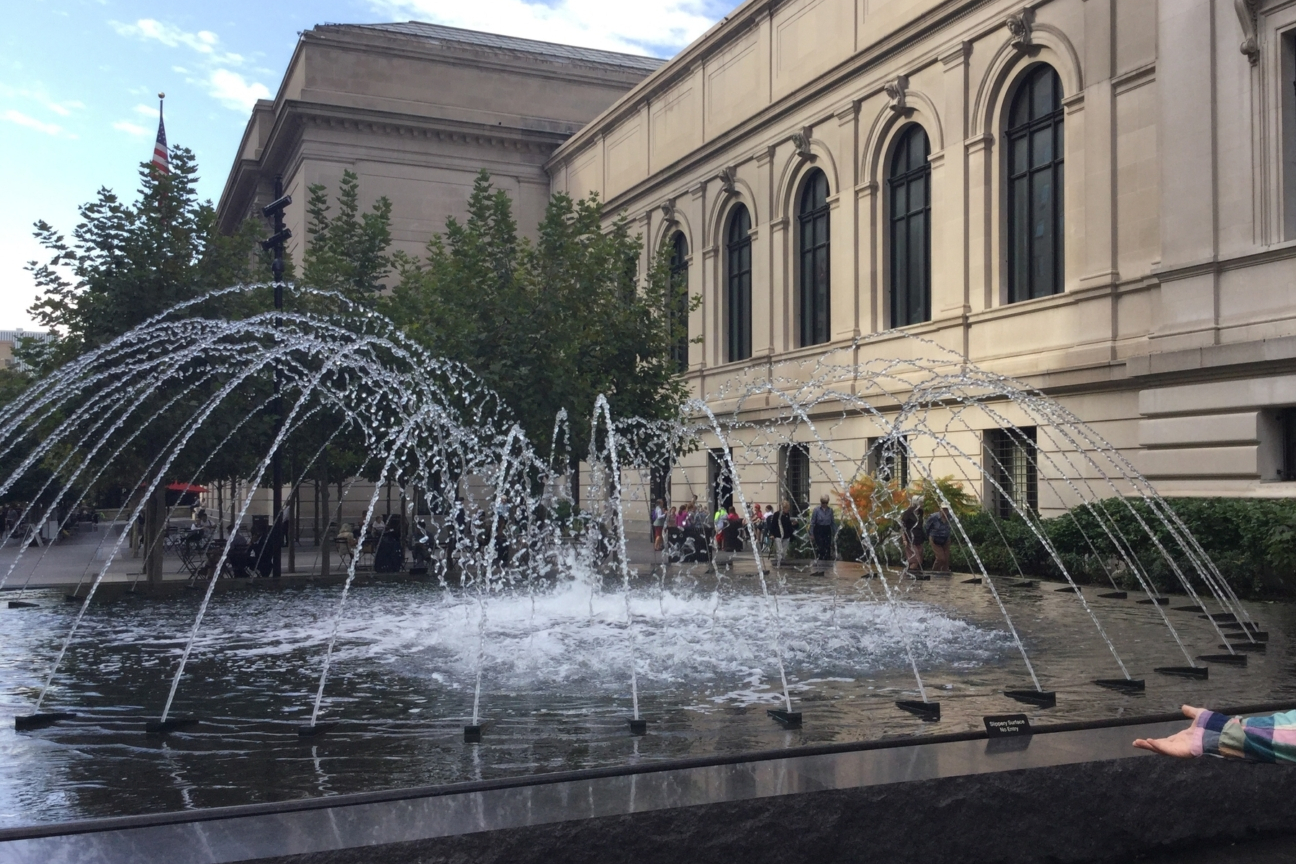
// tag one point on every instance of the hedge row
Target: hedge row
(1251, 541)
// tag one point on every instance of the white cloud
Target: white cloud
(65, 109)
(131, 129)
(204, 41)
(32, 123)
(226, 86)
(146, 110)
(664, 26)
(234, 91)
(40, 95)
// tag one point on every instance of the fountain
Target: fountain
(543, 619)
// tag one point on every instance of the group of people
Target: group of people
(917, 528)
(689, 532)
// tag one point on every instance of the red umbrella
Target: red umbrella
(185, 487)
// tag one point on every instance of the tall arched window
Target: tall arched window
(910, 188)
(678, 309)
(814, 259)
(1035, 219)
(738, 299)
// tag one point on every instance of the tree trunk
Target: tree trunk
(324, 508)
(155, 512)
(292, 531)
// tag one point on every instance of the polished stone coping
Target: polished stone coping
(321, 825)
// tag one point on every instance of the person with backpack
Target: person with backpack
(822, 521)
(912, 536)
(939, 531)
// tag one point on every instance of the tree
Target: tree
(552, 324)
(128, 262)
(347, 252)
(125, 264)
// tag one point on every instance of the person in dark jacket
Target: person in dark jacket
(822, 521)
(939, 531)
(781, 529)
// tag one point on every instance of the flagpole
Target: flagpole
(275, 243)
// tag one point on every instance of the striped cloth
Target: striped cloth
(1271, 738)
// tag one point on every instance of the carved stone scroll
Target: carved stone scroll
(1246, 12)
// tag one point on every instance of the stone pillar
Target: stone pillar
(950, 287)
(1098, 249)
(872, 306)
(782, 287)
(983, 289)
(765, 326)
(847, 304)
(1183, 309)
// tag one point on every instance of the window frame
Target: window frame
(738, 286)
(895, 182)
(795, 459)
(814, 261)
(1030, 130)
(1013, 457)
(677, 304)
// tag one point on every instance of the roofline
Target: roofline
(722, 31)
(379, 28)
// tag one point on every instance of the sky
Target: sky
(79, 81)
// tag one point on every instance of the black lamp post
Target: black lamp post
(275, 211)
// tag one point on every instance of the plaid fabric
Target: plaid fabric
(1271, 738)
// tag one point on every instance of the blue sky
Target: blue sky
(79, 82)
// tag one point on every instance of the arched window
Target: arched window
(910, 188)
(678, 308)
(738, 293)
(1035, 149)
(814, 259)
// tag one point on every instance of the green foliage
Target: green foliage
(1251, 541)
(129, 262)
(347, 251)
(1281, 544)
(551, 324)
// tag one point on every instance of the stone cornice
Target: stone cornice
(292, 118)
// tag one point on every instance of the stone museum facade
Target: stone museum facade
(1097, 197)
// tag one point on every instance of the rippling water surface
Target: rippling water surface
(556, 681)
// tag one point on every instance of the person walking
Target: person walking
(782, 529)
(659, 524)
(822, 521)
(939, 531)
(767, 529)
(912, 536)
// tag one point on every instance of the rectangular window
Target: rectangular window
(888, 459)
(719, 480)
(1011, 462)
(795, 476)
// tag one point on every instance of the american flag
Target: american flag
(160, 160)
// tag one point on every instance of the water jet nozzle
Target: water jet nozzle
(40, 721)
